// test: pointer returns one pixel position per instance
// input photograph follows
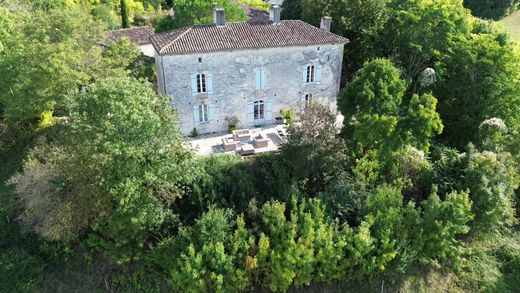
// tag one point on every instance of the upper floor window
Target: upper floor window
(201, 83)
(311, 73)
(260, 78)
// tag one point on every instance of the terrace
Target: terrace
(243, 141)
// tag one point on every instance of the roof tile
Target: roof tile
(241, 35)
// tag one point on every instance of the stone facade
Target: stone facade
(250, 84)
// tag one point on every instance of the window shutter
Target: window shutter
(250, 113)
(269, 112)
(193, 84)
(209, 83)
(211, 113)
(319, 69)
(258, 79)
(196, 114)
(304, 74)
(264, 78)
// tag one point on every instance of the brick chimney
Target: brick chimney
(274, 13)
(325, 23)
(219, 15)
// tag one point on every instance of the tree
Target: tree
(492, 182)
(313, 151)
(442, 222)
(291, 9)
(419, 32)
(124, 166)
(124, 15)
(377, 117)
(193, 12)
(69, 41)
(210, 256)
(490, 9)
(481, 75)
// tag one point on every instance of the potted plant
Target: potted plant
(288, 114)
(232, 123)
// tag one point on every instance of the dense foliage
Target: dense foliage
(423, 172)
(190, 12)
(491, 9)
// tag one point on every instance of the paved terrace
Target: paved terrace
(206, 145)
(209, 144)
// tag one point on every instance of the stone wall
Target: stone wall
(234, 87)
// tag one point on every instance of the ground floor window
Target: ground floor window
(203, 113)
(259, 110)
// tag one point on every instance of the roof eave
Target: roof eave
(161, 53)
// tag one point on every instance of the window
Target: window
(260, 79)
(311, 72)
(203, 113)
(200, 60)
(307, 97)
(259, 110)
(201, 83)
(318, 48)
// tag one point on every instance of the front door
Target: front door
(259, 112)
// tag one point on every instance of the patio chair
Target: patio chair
(242, 135)
(229, 144)
(260, 141)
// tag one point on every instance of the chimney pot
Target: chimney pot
(274, 13)
(325, 23)
(219, 16)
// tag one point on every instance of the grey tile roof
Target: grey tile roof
(138, 35)
(242, 35)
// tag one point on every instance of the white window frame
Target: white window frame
(202, 83)
(311, 73)
(203, 113)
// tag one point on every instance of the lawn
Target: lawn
(512, 25)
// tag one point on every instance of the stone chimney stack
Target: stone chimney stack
(274, 13)
(325, 23)
(219, 15)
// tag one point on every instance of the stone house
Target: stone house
(247, 70)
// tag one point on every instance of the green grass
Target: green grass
(512, 25)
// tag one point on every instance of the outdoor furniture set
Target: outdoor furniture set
(240, 140)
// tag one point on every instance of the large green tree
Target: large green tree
(419, 32)
(490, 9)
(478, 80)
(51, 55)
(378, 116)
(125, 165)
(190, 12)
